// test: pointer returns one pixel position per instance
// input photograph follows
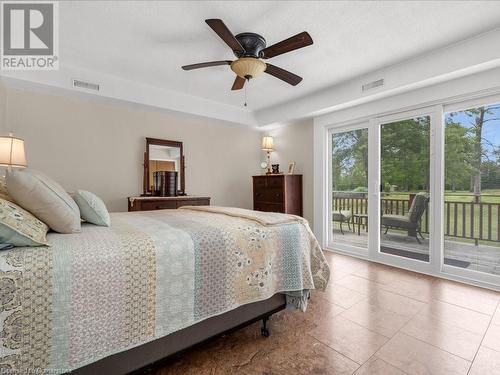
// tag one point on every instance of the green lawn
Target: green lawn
(487, 196)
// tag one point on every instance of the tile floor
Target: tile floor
(373, 319)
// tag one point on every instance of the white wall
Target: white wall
(293, 143)
(84, 144)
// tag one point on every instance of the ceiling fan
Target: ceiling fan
(250, 48)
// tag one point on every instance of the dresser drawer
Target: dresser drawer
(268, 195)
(269, 207)
(157, 205)
(200, 202)
(260, 182)
(275, 182)
(165, 203)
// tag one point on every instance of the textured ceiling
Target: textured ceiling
(148, 41)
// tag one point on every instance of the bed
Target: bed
(114, 299)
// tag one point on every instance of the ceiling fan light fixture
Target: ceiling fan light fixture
(248, 67)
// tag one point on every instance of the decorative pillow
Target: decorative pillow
(92, 208)
(20, 228)
(3, 190)
(45, 199)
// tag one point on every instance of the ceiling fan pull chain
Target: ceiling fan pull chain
(246, 94)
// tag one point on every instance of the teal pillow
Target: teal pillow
(92, 208)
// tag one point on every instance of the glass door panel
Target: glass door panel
(472, 189)
(405, 188)
(349, 188)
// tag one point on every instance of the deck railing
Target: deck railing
(473, 220)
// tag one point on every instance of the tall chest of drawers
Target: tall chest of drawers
(278, 193)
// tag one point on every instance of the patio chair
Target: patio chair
(412, 220)
(342, 216)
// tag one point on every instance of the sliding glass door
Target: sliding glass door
(348, 175)
(420, 190)
(405, 187)
(380, 188)
(472, 189)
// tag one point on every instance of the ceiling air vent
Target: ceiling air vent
(372, 85)
(85, 85)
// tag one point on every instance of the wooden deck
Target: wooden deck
(483, 258)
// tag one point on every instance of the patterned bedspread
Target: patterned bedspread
(105, 290)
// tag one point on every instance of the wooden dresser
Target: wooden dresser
(278, 193)
(161, 203)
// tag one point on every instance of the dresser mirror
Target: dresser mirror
(162, 155)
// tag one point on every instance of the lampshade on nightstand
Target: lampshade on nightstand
(12, 153)
(267, 144)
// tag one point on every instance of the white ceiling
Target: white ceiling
(148, 42)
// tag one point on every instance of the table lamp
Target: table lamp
(268, 146)
(12, 152)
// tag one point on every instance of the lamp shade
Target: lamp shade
(267, 144)
(12, 152)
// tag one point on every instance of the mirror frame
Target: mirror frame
(162, 142)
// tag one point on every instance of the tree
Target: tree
(477, 119)
(458, 156)
(350, 159)
(405, 152)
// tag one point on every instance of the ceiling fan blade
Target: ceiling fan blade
(295, 42)
(206, 64)
(238, 83)
(283, 74)
(227, 36)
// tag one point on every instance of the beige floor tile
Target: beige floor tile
(349, 339)
(395, 302)
(342, 296)
(418, 358)
(359, 284)
(448, 337)
(487, 362)
(305, 355)
(377, 366)
(492, 338)
(375, 318)
(496, 316)
(336, 274)
(474, 298)
(318, 313)
(377, 272)
(386, 274)
(419, 289)
(472, 321)
(343, 263)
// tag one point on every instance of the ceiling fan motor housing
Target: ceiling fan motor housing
(252, 43)
(248, 64)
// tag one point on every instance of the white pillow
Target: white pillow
(92, 208)
(45, 199)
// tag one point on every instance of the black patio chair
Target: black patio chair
(412, 220)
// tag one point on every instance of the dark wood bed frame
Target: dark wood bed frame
(158, 352)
